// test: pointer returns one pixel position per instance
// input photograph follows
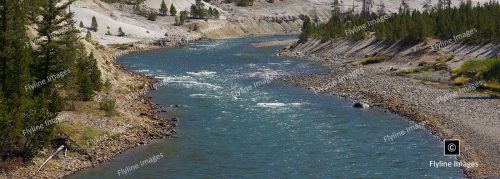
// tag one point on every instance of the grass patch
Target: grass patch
(487, 70)
(92, 134)
(495, 87)
(371, 60)
(438, 64)
(417, 70)
(460, 80)
(72, 130)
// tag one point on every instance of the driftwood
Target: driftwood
(57, 151)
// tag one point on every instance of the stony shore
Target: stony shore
(471, 117)
(147, 125)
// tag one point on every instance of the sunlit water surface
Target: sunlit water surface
(269, 130)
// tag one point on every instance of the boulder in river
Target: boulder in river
(360, 105)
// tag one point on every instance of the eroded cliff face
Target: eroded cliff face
(405, 56)
(257, 26)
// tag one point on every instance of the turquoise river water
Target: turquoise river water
(239, 122)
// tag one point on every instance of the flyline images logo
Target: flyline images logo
(451, 147)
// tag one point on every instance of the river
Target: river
(239, 122)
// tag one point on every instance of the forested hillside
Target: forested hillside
(39, 77)
(480, 22)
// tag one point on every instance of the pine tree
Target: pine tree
(94, 25)
(183, 17)
(210, 12)
(5, 143)
(89, 77)
(95, 73)
(120, 32)
(81, 24)
(173, 11)
(54, 20)
(163, 8)
(15, 60)
(306, 29)
(152, 16)
(216, 14)
(85, 85)
(88, 36)
(108, 32)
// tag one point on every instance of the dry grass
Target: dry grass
(372, 60)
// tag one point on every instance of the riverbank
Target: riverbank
(92, 137)
(471, 117)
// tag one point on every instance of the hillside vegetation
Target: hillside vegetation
(468, 23)
(487, 70)
(39, 77)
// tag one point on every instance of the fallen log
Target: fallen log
(57, 151)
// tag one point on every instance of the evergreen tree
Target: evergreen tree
(94, 25)
(152, 16)
(85, 85)
(22, 104)
(138, 4)
(183, 17)
(108, 32)
(15, 58)
(445, 22)
(198, 10)
(81, 24)
(163, 8)
(95, 73)
(173, 11)
(88, 36)
(306, 29)
(216, 13)
(210, 12)
(120, 32)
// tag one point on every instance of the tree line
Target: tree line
(442, 21)
(38, 80)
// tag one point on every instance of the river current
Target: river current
(238, 121)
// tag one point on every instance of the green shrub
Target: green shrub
(108, 105)
(107, 85)
(152, 16)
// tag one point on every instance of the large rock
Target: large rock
(360, 105)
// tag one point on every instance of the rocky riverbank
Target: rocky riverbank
(449, 113)
(135, 123)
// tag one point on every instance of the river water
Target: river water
(239, 122)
